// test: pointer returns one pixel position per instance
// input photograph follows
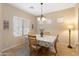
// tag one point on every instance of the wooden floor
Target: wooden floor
(63, 50)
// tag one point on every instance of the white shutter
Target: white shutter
(20, 26)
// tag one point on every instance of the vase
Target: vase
(41, 34)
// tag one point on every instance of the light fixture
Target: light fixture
(41, 18)
(70, 27)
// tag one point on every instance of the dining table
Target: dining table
(47, 41)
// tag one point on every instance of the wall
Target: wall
(7, 35)
(78, 25)
(1, 41)
(61, 28)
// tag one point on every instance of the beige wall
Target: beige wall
(61, 28)
(7, 35)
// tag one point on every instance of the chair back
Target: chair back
(32, 40)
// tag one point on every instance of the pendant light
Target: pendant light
(41, 18)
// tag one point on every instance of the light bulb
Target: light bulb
(70, 26)
(38, 18)
(43, 19)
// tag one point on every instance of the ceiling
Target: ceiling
(35, 8)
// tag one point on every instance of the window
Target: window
(20, 26)
(26, 26)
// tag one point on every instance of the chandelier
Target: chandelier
(41, 19)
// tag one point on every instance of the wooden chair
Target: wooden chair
(34, 47)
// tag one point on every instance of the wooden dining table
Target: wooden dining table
(47, 41)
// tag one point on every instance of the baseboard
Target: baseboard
(10, 47)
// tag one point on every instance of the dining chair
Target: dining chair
(34, 47)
